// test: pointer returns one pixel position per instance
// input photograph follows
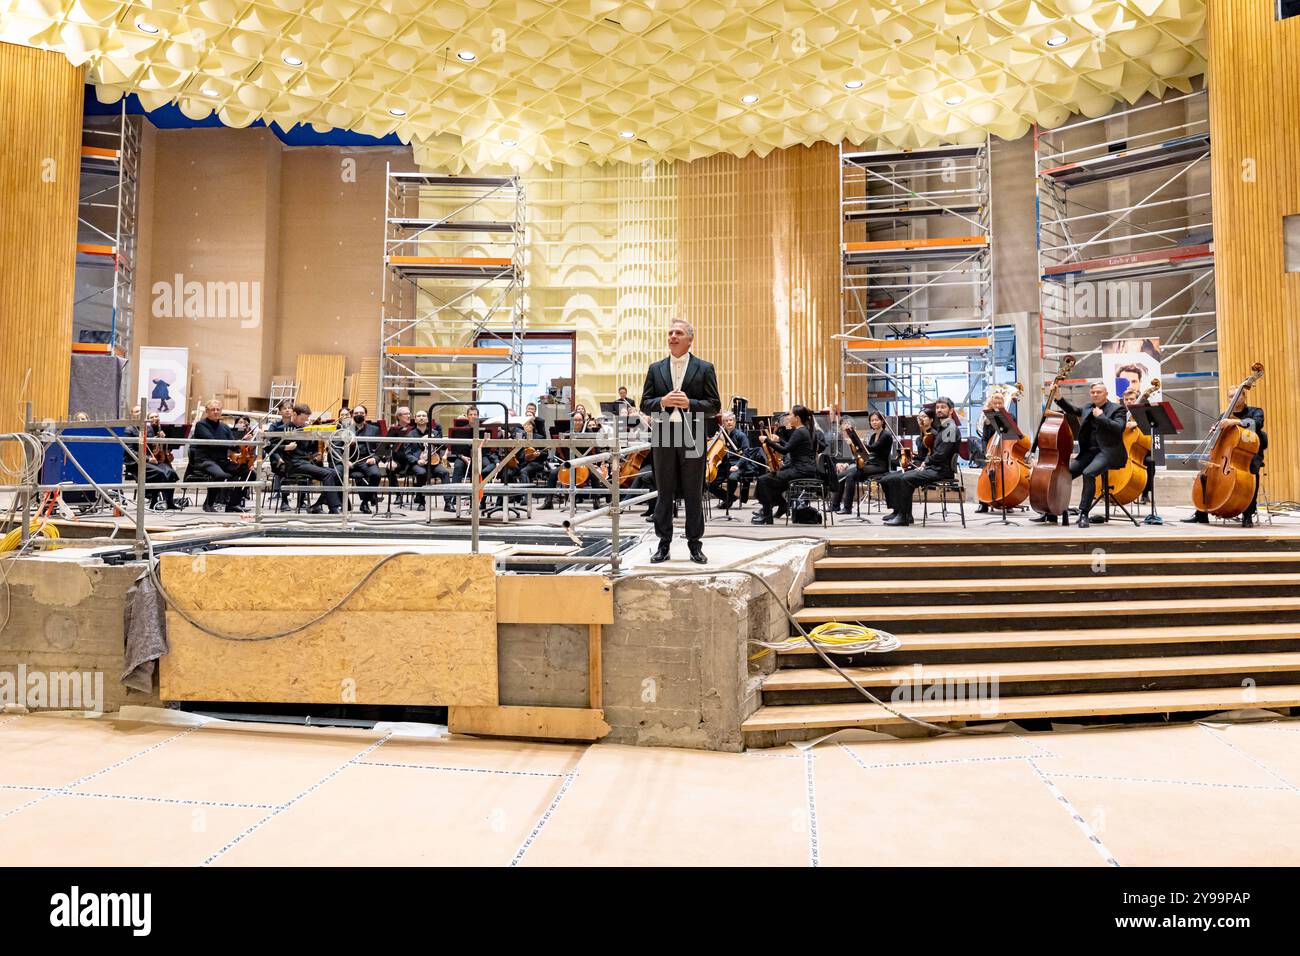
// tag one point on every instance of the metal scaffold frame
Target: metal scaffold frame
(1108, 254)
(107, 207)
(454, 298)
(916, 275)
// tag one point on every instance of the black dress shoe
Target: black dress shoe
(660, 555)
(1083, 521)
(697, 553)
(897, 521)
(419, 506)
(333, 510)
(1044, 519)
(316, 510)
(1247, 521)
(983, 509)
(235, 509)
(760, 519)
(449, 507)
(1199, 517)
(365, 507)
(210, 509)
(781, 512)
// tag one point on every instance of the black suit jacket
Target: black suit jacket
(1104, 432)
(700, 385)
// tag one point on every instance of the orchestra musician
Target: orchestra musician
(1251, 418)
(996, 402)
(743, 461)
(300, 466)
(1133, 398)
(532, 427)
(416, 457)
(579, 426)
(875, 453)
(1100, 443)
(626, 404)
(211, 463)
(800, 451)
(898, 486)
(158, 465)
(273, 451)
(685, 389)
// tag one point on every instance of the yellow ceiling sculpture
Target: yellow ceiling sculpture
(478, 83)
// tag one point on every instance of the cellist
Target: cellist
(743, 461)
(996, 402)
(1250, 417)
(1133, 398)
(1101, 442)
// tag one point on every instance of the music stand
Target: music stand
(1008, 431)
(1157, 421)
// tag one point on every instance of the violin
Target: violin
(1004, 479)
(1225, 485)
(1127, 484)
(1050, 478)
(160, 453)
(859, 450)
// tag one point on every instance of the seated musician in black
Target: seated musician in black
(1250, 417)
(273, 453)
(1132, 398)
(158, 467)
(996, 402)
(800, 451)
(211, 463)
(743, 462)
(300, 466)
(1100, 443)
(531, 428)
(580, 426)
(876, 451)
(411, 459)
(938, 466)
(365, 457)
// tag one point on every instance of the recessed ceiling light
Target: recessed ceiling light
(397, 111)
(627, 134)
(853, 85)
(749, 98)
(469, 56)
(291, 59)
(954, 101)
(145, 26)
(210, 91)
(1057, 39)
(509, 142)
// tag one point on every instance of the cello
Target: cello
(1004, 479)
(1127, 483)
(1049, 479)
(1226, 485)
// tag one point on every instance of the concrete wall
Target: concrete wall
(675, 660)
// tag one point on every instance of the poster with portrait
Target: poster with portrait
(1130, 363)
(164, 383)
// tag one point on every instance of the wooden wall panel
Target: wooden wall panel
(40, 128)
(320, 381)
(1254, 101)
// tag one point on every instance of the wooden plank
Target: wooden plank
(938, 242)
(99, 152)
(486, 351)
(877, 615)
(911, 345)
(901, 562)
(546, 723)
(448, 261)
(95, 249)
(821, 678)
(830, 716)
(320, 381)
(595, 669)
(365, 385)
(983, 640)
(1095, 582)
(554, 599)
(918, 536)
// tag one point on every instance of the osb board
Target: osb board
(551, 599)
(420, 631)
(320, 381)
(364, 386)
(548, 723)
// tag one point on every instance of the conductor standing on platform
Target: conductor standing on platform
(681, 393)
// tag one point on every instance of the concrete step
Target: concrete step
(1035, 540)
(1060, 564)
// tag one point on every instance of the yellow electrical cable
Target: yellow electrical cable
(835, 634)
(11, 540)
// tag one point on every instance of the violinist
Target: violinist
(1133, 398)
(579, 426)
(364, 458)
(532, 427)
(898, 486)
(871, 459)
(211, 463)
(273, 452)
(300, 467)
(1101, 442)
(1251, 418)
(996, 402)
(743, 461)
(158, 466)
(800, 452)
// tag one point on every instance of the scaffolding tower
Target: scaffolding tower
(1126, 247)
(916, 277)
(454, 297)
(107, 203)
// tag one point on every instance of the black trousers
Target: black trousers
(305, 472)
(770, 489)
(1089, 465)
(212, 470)
(898, 487)
(1255, 465)
(160, 472)
(846, 491)
(360, 473)
(679, 474)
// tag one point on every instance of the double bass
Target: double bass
(1128, 483)
(1226, 485)
(1004, 480)
(1049, 479)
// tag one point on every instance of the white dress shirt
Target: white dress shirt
(678, 366)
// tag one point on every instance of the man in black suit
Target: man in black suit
(1101, 442)
(681, 392)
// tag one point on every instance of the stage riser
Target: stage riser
(939, 575)
(1059, 541)
(938, 624)
(1030, 688)
(952, 595)
(906, 657)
